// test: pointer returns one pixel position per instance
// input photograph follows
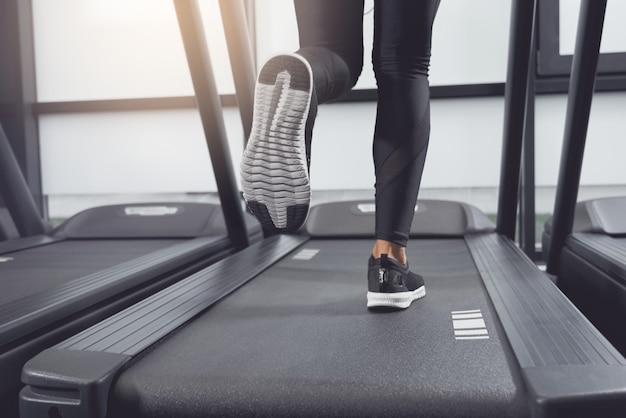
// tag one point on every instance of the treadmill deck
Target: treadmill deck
(313, 348)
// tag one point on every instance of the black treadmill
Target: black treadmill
(585, 242)
(57, 282)
(493, 337)
(282, 329)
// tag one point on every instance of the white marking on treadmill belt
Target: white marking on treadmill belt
(306, 254)
(469, 325)
(5, 259)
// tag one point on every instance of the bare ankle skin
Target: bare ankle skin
(395, 251)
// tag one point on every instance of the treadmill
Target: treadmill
(585, 242)
(57, 282)
(281, 328)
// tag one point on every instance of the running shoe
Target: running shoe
(391, 284)
(274, 167)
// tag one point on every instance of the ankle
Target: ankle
(395, 251)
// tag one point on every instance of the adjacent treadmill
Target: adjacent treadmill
(55, 283)
(585, 242)
(281, 328)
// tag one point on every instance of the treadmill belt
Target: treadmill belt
(47, 267)
(298, 340)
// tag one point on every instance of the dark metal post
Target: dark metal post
(210, 109)
(16, 194)
(7, 227)
(241, 59)
(522, 18)
(18, 91)
(582, 84)
(527, 213)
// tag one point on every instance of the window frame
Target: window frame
(551, 63)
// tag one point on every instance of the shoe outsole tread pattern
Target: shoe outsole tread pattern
(274, 170)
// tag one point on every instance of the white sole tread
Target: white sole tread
(274, 170)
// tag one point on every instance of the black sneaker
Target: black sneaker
(274, 167)
(391, 284)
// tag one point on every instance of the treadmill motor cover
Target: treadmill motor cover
(148, 220)
(433, 218)
(599, 216)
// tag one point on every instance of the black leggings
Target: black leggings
(331, 39)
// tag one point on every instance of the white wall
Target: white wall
(110, 49)
(469, 39)
(152, 151)
(99, 49)
(129, 152)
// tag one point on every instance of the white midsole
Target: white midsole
(394, 300)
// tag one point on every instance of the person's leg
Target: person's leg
(274, 169)
(331, 40)
(401, 58)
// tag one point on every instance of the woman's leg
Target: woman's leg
(331, 40)
(275, 164)
(401, 57)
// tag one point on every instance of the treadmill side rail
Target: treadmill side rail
(76, 383)
(599, 389)
(74, 377)
(19, 244)
(568, 365)
(38, 310)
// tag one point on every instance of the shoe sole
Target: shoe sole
(400, 300)
(274, 170)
